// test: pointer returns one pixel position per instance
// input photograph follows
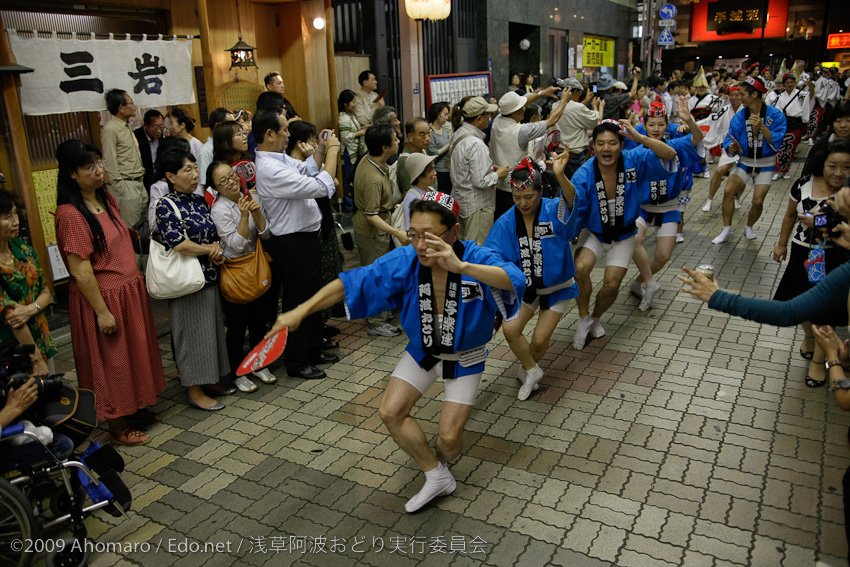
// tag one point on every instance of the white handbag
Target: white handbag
(169, 273)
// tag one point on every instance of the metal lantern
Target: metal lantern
(242, 55)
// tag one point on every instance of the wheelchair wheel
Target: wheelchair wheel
(17, 525)
(60, 502)
(70, 556)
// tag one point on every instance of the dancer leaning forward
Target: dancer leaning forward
(448, 292)
(535, 235)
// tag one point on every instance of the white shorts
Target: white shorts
(726, 159)
(666, 229)
(460, 390)
(616, 253)
(559, 307)
(753, 179)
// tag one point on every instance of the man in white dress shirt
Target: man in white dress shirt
(288, 189)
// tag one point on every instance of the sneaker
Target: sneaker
(636, 288)
(707, 174)
(520, 373)
(652, 288)
(438, 482)
(582, 330)
(707, 207)
(265, 376)
(532, 377)
(737, 204)
(597, 330)
(775, 177)
(385, 330)
(243, 384)
(786, 176)
(680, 237)
(711, 161)
(750, 233)
(724, 235)
(810, 141)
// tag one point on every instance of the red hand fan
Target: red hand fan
(267, 351)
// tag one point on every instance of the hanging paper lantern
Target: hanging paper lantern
(440, 9)
(418, 9)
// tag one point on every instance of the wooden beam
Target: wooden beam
(206, 53)
(22, 160)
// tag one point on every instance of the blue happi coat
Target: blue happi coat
(556, 228)
(641, 165)
(652, 201)
(757, 154)
(392, 281)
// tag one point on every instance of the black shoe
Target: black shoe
(326, 358)
(328, 344)
(309, 373)
(329, 332)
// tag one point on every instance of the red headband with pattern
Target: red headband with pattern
(525, 163)
(656, 109)
(445, 200)
(756, 83)
(787, 76)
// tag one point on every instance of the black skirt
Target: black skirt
(795, 280)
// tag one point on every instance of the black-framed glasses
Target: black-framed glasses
(414, 238)
(228, 179)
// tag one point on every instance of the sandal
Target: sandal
(807, 354)
(145, 417)
(131, 437)
(811, 382)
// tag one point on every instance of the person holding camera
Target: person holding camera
(808, 197)
(813, 305)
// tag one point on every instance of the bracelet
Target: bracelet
(37, 306)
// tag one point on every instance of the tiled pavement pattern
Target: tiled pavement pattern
(683, 437)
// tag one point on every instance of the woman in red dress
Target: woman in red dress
(116, 351)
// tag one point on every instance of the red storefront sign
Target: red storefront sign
(734, 16)
(838, 41)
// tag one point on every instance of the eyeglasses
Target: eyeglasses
(228, 180)
(161, 127)
(93, 167)
(414, 238)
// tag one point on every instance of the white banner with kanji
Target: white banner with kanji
(72, 75)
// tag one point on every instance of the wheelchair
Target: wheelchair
(42, 489)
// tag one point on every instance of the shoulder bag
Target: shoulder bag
(246, 278)
(169, 273)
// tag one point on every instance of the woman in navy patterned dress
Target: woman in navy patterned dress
(197, 320)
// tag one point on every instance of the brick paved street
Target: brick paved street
(683, 437)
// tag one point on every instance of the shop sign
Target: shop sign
(72, 75)
(737, 19)
(838, 41)
(597, 51)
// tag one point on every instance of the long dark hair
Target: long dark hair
(71, 156)
(223, 149)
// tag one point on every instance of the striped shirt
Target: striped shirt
(473, 178)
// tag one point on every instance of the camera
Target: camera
(828, 218)
(15, 365)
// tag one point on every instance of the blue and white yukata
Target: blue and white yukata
(453, 345)
(659, 204)
(757, 158)
(545, 258)
(609, 225)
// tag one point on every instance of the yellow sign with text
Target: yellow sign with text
(597, 51)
